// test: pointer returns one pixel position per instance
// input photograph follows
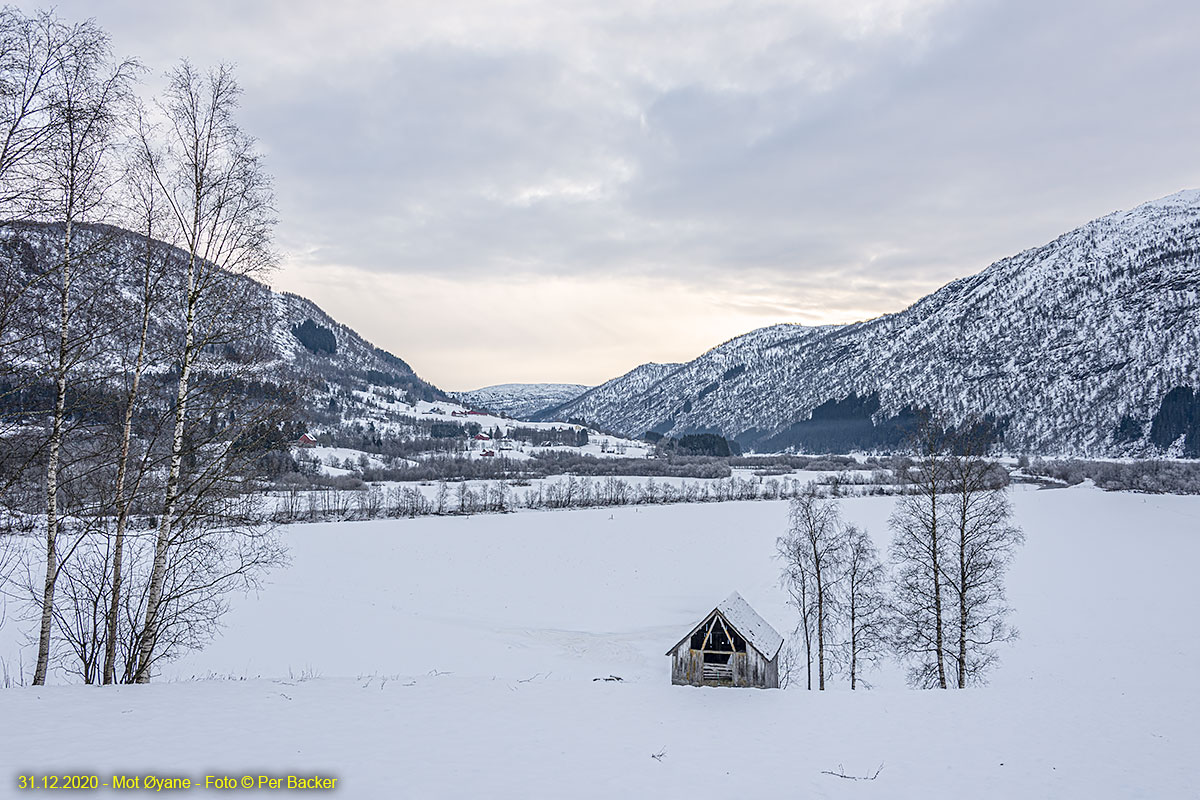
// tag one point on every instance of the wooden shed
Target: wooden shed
(731, 646)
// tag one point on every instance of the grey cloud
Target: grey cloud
(800, 149)
(991, 142)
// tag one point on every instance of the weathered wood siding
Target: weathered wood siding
(749, 669)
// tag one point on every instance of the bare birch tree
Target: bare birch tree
(88, 92)
(918, 553)
(795, 581)
(866, 604)
(146, 204)
(219, 202)
(982, 542)
(31, 51)
(812, 551)
(184, 405)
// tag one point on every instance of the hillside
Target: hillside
(1087, 345)
(637, 380)
(304, 344)
(521, 400)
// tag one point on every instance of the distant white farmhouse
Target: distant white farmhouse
(731, 646)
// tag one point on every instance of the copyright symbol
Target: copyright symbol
(247, 781)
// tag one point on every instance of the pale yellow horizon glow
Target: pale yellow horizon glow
(470, 332)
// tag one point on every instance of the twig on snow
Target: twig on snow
(841, 773)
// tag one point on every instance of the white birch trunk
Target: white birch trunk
(54, 449)
(935, 552)
(149, 633)
(122, 502)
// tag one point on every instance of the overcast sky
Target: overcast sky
(559, 191)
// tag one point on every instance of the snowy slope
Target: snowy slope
(521, 400)
(306, 344)
(1075, 345)
(353, 354)
(639, 379)
(457, 661)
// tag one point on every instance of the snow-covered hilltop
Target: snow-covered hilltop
(633, 382)
(306, 344)
(521, 400)
(1088, 345)
(305, 334)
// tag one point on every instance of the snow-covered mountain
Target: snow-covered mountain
(1087, 345)
(521, 400)
(304, 335)
(305, 344)
(612, 392)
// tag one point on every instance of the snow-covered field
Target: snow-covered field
(455, 657)
(383, 410)
(331, 461)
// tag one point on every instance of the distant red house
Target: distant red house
(482, 437)
(477, 413)
(306, 440)
(488, 453)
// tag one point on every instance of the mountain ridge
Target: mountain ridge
(1069, 347)
(328, 357)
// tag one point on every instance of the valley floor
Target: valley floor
(455, 657)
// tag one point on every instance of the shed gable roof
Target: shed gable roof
(749, 624)
(753, 628)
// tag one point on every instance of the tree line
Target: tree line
(341, 499)
(131, 326)
(1153, 476)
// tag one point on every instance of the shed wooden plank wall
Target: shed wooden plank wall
(750, 669)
